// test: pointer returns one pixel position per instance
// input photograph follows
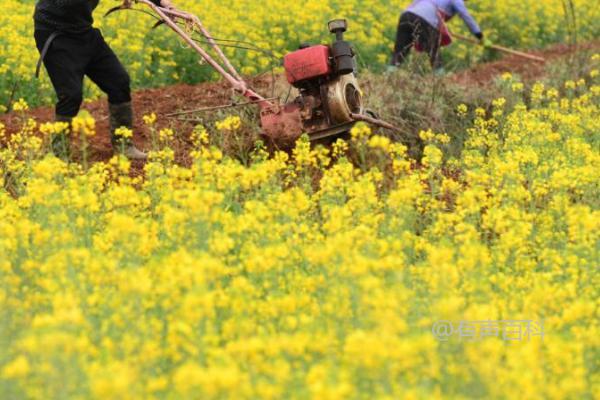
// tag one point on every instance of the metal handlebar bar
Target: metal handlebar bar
(170, 16)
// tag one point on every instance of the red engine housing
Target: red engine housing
(308, 63)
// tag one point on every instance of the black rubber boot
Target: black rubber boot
(60, 142)
(121, 115)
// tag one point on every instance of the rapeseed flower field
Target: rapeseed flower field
(313, 274)
(155, 58)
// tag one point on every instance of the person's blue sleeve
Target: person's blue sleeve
(461, 9)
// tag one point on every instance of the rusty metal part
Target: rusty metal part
(331, 131)
(282, 123)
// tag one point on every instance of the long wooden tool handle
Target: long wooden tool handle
(502, 48)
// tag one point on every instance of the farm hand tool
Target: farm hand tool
(503, 49)
(330, 101)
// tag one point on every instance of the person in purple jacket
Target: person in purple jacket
(423, 25)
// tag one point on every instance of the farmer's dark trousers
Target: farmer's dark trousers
(412, 30)
(73, 56)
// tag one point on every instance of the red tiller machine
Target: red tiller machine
(329, 102)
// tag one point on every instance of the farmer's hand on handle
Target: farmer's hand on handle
(483, 41)
(479, 36)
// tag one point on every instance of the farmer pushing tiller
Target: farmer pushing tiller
(70, 49)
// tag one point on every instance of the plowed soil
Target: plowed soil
(161, 101)
(180, 97)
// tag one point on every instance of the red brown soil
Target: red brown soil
(161, 101)
(180, 97)
(528, 70)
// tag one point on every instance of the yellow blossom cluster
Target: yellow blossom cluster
(312, 275)
(150, 119)
(84, 124)
(20, 105)
(54, 128)
(231, 123)
(124, 132)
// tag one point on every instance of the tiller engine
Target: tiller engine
(329, 93)
(329, 101)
